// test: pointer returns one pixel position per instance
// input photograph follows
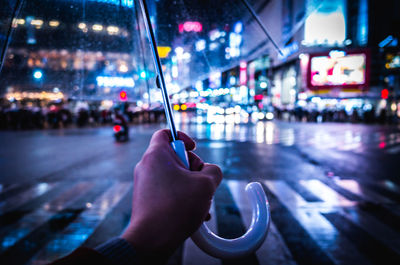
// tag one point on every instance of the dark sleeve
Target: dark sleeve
(83, 256)
(114, 252)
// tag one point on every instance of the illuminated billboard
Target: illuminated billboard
(325, 15)
(338, 69)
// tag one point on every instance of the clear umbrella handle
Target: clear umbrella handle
(248, 243)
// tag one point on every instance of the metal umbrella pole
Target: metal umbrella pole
(264, 29)
(160, 76)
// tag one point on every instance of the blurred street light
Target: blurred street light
(97, 27)
(37, 74)
(54, 23)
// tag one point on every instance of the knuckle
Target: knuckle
(148, 158)
(208, 184)
(216, 171)
(145, 158)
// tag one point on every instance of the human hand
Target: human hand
(170, 202)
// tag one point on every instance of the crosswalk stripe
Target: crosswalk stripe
(31, 221)
(192, 255)
(374, 250)
(273, 251)
(285, 193)
(19, 199)
(320, 229)
(354, 187)
(296, 237)
(344, 192)
(303, 191)
(82, 227)
(329, 196)
(374, 227)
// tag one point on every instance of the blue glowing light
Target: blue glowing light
(362, 23)
(143, 74)
(37, 74)
(238, 27)
(386, 41)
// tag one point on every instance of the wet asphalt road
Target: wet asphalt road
(266, 150)
(334, 190)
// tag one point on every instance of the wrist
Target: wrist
(149, 246)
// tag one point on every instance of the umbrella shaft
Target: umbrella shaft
(160, 76)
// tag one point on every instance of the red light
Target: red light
(384, 93)
(123, 96)
(258, 97)
(190, 26)
(117, 128)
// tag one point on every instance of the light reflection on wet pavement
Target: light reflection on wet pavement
(269, 133)
(333, 188)
(32, 220)
(82, 227)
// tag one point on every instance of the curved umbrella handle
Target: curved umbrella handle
(248, 243)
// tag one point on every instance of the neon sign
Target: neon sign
(163, 51)
(190, 26)
(243, 73)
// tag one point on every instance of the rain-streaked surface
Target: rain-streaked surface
(333, 189)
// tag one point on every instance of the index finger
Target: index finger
(164, 136)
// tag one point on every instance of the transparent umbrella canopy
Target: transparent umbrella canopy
(94, 49)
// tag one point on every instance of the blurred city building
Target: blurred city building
(86, 50)
(336, 54)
